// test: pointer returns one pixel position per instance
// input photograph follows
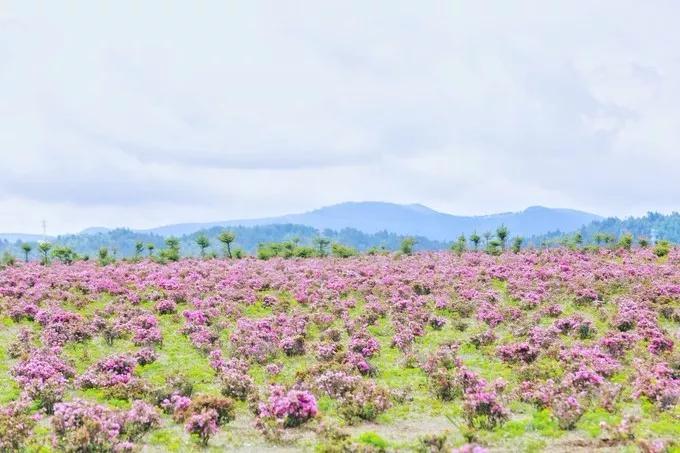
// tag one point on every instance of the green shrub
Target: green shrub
(662, 248)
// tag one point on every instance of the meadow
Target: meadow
(541, 350)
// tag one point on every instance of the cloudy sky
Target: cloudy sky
(142, 113)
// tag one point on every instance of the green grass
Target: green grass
(9, 390)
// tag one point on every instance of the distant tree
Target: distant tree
(460, 245)
(139, 248)
(626, 241)
(494, 247)
(321, 244)
(407, 244)
(609, 238)
(203, 242)
(64, 254)
(7, 260)
(643, 242)
(662, 248)
(343, 251)
(502, 235)
(44, 248)
(104, 257)
(578, 239)
(150, 246)
(226, 238)
(26, 247)
(377, 250)
(474, 238)
(517, 244)
(171, 252)
(487, 237)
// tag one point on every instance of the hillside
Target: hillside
(651, 226)
(415, 219)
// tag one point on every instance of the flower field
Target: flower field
(541, 350)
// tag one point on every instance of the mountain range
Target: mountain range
(373, 217)
(412, 219)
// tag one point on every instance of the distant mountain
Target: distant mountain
(414, 219)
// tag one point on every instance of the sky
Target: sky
(144, 113)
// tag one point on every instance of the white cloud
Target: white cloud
(144, 113)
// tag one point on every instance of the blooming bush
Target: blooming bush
(568, 332)
(289, 408)
(365, 402)
(16, 425)
(203, 425)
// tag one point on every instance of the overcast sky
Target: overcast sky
(142, 113)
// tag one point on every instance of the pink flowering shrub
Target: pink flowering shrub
(482, 409)
(289, 408)
(84, 426)
(43, 377)
(146, 356)
(365, 402)
(568, 411)
(165, 307)
(16, 425)
(203, 425)
(116, 375)
(573, 333)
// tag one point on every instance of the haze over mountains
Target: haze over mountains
(413, 219)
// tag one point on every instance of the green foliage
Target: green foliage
(604, 232)
(459, 246)
(64, 254)
(407, 244)
(171, 252)
(662, 248)
(342, 251)
(377, 250)
(502, 235)
(373, 439)
(139, 248)
(578, 239)
(494, 247)
(203, 243)
(474, 238)
(104, 257)
(227, 238)
(26, 248)
(517, 244)
(7, 259)
(321, 244)
(626, 241)
(44, 248)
